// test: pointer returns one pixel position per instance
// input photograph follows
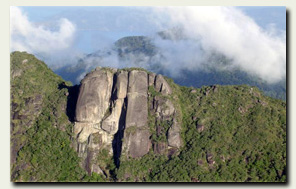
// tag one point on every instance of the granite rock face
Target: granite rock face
(120, 89)
(138, 143)
(162, 86)
(166, 123)
(164, 108)
(137, 102)
(151, 79)
(136, 138)
(110, 124)
(174, 138)
(94, 96)
(112, 110)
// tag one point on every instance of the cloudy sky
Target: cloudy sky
(254, 37)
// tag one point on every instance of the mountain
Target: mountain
(40, 126)
(141, 51)
(134, 125)
(135, 45)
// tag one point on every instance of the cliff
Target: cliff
(114, 106)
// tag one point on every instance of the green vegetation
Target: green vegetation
(135, 44)
(47, 155)
(133, 68)
(106, 162)
(245, 133)
(244, 145)
(131, 130)
(41, 130)
(165, 125)
(140, 170)
(153, 93)
(243, 140)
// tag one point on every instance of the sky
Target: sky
(253, 37)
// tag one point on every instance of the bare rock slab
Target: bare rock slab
(138, 143)
(94, 96)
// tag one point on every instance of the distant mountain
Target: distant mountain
(140, 51)
(135, 45)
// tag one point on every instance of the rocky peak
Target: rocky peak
(113, 105)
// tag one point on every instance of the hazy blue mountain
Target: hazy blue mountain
(140, 51)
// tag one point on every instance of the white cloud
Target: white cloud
(228, 31)
(36, 39)
(224, 30)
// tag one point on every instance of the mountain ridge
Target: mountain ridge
(141, 51)
(226, 133)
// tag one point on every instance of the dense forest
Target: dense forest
(230, 133)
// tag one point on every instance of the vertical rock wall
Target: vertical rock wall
(137, 136)
(137, 102)
(166, 122)
(115, 103)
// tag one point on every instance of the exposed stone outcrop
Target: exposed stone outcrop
(112, 107)
(137, 102)
(160, 148)
(110, 124)
(84, 130)
(96, 169)
(162, 86)
(137, 143)
(174, 138)
(166, 123)
(151, 79)
(164, 108)
(92, 106)
(200, 128)
(16, 73)
(94, 96)
(120, 89)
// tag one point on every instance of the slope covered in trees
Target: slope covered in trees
(40, 127)
(229, 133)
